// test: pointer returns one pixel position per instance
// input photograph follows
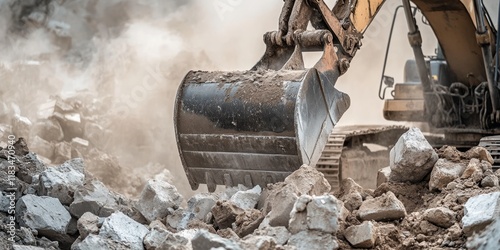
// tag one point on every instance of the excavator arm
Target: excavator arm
(256, 127)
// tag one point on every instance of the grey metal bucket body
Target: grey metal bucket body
(253, 127)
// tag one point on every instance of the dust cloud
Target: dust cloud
(134, 54)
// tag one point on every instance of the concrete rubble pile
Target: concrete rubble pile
(450, 200)
(74, 127)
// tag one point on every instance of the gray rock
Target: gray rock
(361, 236)
(159, 238)
(21, 247)
(123, 229)
(156, 199)
(7, 201)
(30, 167)
(44, 214)
(205, 240)
(254, 242)
(490, 181)
(480, 211)
(479, 153)
(382, 208)
(308, 180)
(93, 242)
(26, 236)
(87, 224)
(489, 239)
(200, 205)
(42, 147)
(48, 129)
(383, 175)
(280, 234)
(353, 201)
(315, 213)
(282, 196)
(473, 170)
(62, 181)
(179, 219)
(279, 204)
(247, 199)
(440, 216)
(444, 172)
(95, 198)
(313, 240)
(412, 158)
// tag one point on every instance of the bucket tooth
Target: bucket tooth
(248, 181)
(228, 181)
(209, 179)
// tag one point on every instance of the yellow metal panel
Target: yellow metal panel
(364, 13)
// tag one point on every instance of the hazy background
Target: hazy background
(136, 53)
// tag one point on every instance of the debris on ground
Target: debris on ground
(454, 204)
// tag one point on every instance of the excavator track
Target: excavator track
(329, 162)
(345, 149)
(492, 144)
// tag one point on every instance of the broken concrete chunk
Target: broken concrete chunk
(280, 234)
(225, 213)
(205, 240)
(159, 238)
(308, 180)
(44, 214)
(30, 167)
(253, 242)
(49, 130)
(62, 181)
(123, 229)
(479, 153)
(488, 239)
(156, 199)
(382, 208)
(247, 199)
(247, 222)
(201, 204)
(95, 198)
(489, 181)
(93, 242)
(444, 172)
(42, 147)
(279, 204)
(315, 213)
(450, 153)
(87, 224)
(412, 158)
(313, 240)
(80, 145)
(473, 170)
(361, 236)
(480, 211)
(21, 247)
(440, 216)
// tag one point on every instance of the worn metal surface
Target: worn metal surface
(253, 127)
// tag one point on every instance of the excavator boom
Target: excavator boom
(256, 127)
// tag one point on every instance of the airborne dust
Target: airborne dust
(130, 57)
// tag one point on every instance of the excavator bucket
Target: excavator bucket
(253, 127)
